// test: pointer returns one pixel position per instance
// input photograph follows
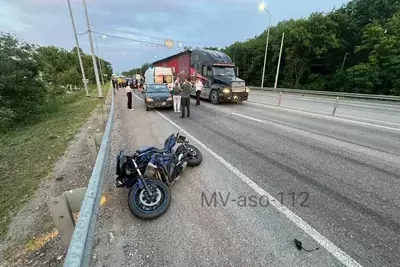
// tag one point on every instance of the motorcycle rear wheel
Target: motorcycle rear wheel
(144, 208)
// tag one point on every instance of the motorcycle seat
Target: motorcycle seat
(151, 149)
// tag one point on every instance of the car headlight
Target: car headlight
(247, 89)
(148, 99)
(226, 90)
(169, 99)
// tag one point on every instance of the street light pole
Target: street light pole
(344, 59)
(78, 50)
(96, 71)
(98, 58)
(279, 62)
(266, 51)
(262, 7)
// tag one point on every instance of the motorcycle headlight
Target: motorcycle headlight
(226, 90)
(148, 99)
(247, 89)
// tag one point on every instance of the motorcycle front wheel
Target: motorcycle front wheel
(145, 207)
(194, 156)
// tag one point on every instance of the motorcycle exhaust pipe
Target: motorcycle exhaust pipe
(184, 165)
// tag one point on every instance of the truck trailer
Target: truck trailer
(214, 68)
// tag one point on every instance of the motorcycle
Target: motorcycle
(150, 171)
(194, 157)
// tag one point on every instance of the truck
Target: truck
(158, 75)
(214, 68)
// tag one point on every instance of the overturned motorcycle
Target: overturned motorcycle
(149, 173)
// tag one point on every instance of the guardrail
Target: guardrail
(327, 93)
(80, 248)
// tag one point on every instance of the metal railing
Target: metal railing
(80, 249)
(327, 93)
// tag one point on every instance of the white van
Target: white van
(159, 75)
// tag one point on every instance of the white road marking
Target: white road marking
(346, 102)
(290, 107)
(331, 117)
(328, 245)
(247, 117)
(385, 122)
(327, 113)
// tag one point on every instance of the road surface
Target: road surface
(338, 179)
(364, 110)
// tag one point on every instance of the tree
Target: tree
(354, 49)
(140, 70)
(21, 91)
(380, 74)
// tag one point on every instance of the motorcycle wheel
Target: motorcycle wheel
(195, 157)
(147, 209)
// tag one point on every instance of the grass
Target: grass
(28, 154)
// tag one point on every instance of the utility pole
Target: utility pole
(98, 58)
(78, 50)
(279, 62)
(96, 72)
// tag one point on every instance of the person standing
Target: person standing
(129, 95)
(199, 87)
(185, 98)
(176, 92)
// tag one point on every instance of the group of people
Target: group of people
(181, 95)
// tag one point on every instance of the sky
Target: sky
(195, 23)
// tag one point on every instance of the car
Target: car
(157, 95)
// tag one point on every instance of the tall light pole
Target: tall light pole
(98, 58)
(279, 62)
(344, 59)
(262, 7)
(96, 71)
(78, 50)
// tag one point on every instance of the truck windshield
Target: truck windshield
(163, 79)
(223, 71)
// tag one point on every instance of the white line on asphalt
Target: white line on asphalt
(385, 122)
(247, 117)
(291, 107)
(330, 117)
(346, 102)
(328, 245)
(327, 113)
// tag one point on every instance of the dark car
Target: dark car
(157, 95)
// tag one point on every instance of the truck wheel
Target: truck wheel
(147, 108)
(214, 97)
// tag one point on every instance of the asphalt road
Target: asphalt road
(341, 176)
(365, 110)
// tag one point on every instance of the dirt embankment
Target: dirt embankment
(32, 239)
